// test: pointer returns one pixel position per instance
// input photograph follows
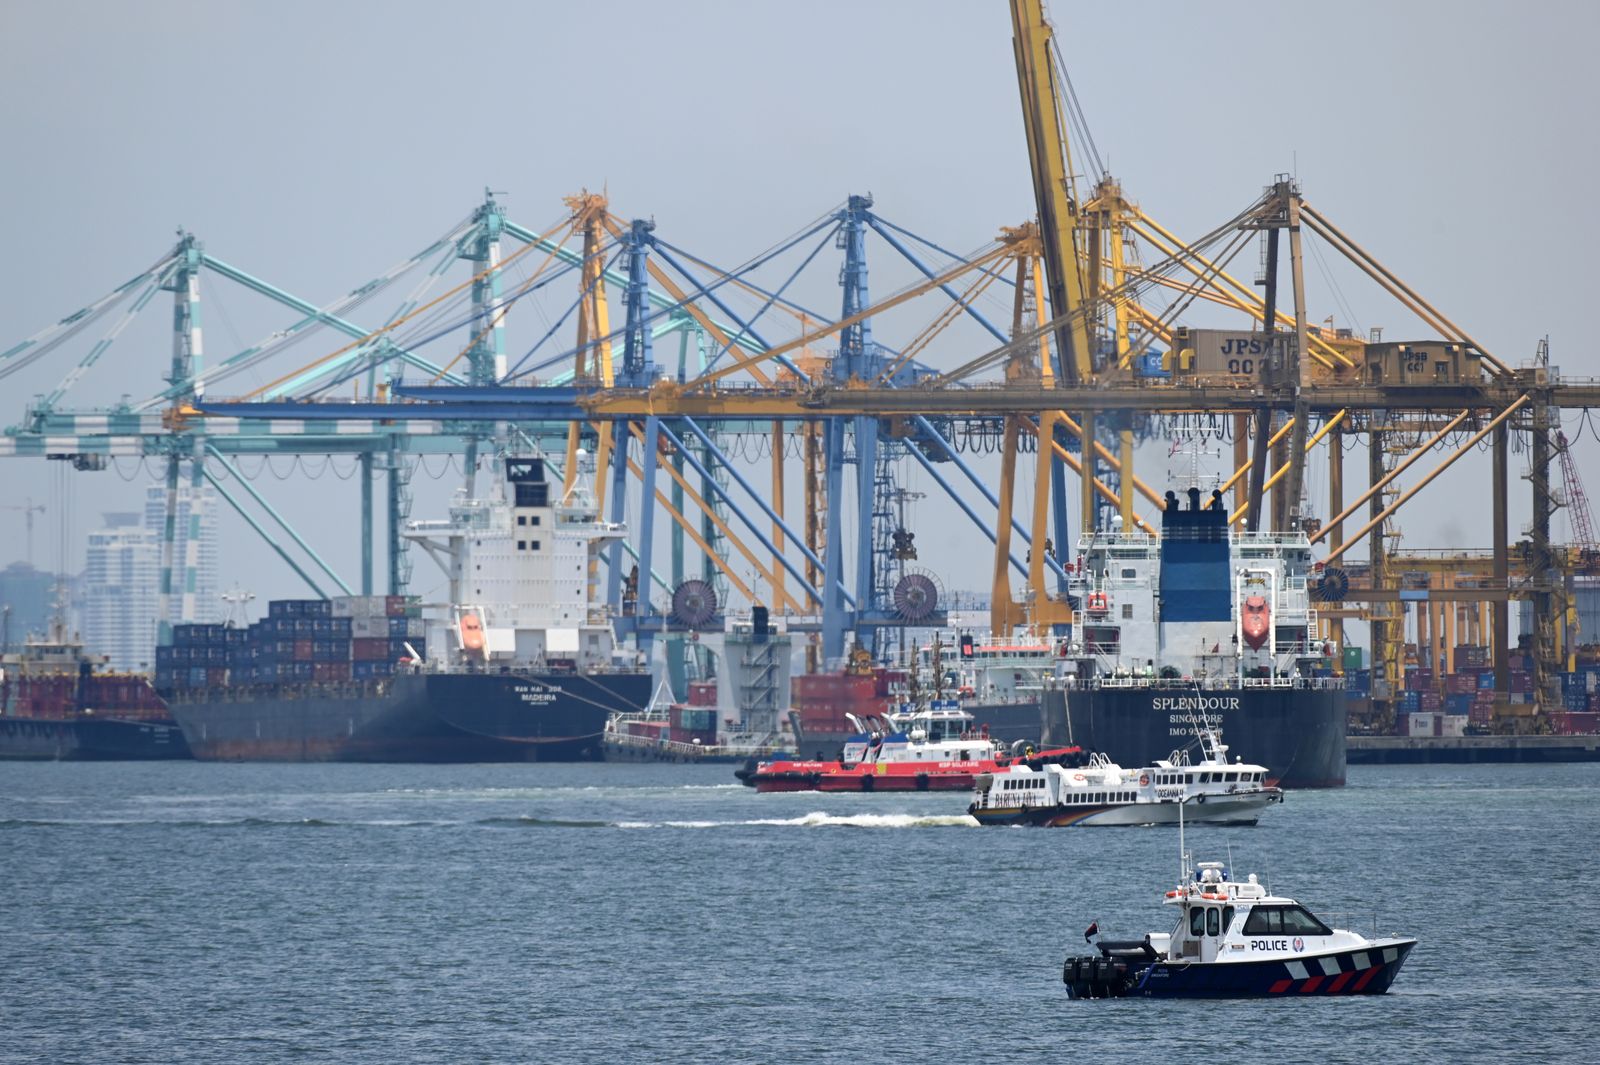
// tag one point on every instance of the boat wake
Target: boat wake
(819, 819)
(815, 819)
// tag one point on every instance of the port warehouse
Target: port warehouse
(857, 396)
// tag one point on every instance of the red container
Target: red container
(1431, 701)
(394, 606)
(702, 693)
(370, 649)
(1575, 722)
(303, 650)
(329, 672)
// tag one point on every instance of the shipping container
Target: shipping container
(1574, 723)
(304, 650)
(1453, 725)
(1352, 658)
(1422, 725)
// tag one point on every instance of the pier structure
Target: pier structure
(1101, 348)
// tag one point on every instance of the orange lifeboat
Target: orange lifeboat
(1099, 602)
(471, 628)
(1256, 621)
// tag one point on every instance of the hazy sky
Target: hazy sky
(313, 144)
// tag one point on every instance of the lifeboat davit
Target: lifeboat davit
(1256, 621)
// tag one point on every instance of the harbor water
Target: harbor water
(643, 913)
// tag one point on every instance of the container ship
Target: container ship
(57, 702)
(1205, 627)
(519, 665)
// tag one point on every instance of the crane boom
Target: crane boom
(1050, 158)
(1577, 499)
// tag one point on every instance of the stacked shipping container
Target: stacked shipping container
(300, 641)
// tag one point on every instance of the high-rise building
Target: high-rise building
(122, 580)
(207, 591)
(121, 609)
(28, 596)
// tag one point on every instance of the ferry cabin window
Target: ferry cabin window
(1283, 920)
(1197, 920)
(1127, 611)
(1213, 921)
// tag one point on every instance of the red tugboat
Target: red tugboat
(932, 749)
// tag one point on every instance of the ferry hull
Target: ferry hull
(1298, 733)
(89, 740)
(428, 717)
(1366, 971)
(1214, 810)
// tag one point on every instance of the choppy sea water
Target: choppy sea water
(222, 912)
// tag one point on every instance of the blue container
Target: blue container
(197, 676)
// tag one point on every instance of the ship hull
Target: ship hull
(1297, 733)
(84, 740)
(1206, 810)
(677, 754)
(1368, 970)
(425, 717)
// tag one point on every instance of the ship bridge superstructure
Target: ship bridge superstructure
(1205, 601)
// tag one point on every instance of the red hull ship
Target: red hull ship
(931, 750)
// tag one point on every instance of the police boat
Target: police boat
(1236, 940)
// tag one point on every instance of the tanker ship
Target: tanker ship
(58, 702)
(519, 665)
(1204, 628)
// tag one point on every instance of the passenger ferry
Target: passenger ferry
(1213, 790)
(1236, 940)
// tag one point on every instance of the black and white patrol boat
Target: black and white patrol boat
(1211, 791)
(1236, 940)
